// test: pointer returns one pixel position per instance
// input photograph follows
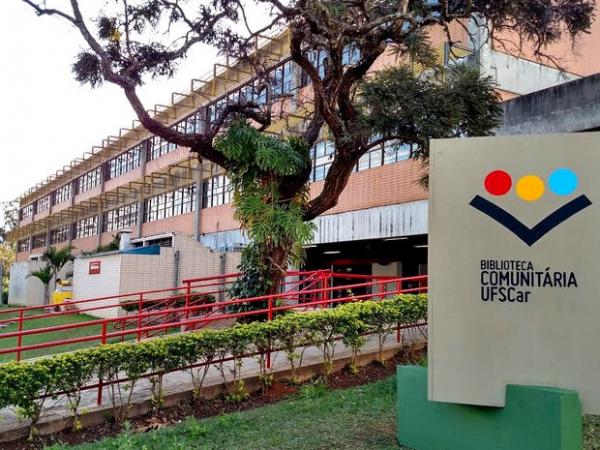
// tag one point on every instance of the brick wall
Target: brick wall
(178, 224)
(85, 244)
(386, 185)
(381, 186)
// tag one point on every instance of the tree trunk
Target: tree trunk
(276, 260)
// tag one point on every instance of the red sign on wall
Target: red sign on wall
(95, 267)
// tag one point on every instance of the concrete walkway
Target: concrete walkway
(178, 386)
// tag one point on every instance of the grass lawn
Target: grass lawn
(361, 418)
(46, 337)
(354, 419)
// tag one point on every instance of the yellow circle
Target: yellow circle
(530, 188)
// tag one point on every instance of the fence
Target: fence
(197, 303)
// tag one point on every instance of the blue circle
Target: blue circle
(563, 181)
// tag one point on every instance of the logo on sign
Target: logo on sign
(94, 267)
(531, 188)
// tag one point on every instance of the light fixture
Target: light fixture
(310, 246)
(332, 252)
(421, 246)
(403, 238)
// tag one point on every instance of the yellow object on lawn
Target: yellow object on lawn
(63, 291)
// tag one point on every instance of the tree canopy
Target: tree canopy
(336, 44)
(136, 40)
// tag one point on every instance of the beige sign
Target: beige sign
(514, 257)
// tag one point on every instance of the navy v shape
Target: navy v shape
(530, 235)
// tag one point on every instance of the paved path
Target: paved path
(180, 382)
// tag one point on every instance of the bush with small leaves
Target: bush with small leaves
(26, 385)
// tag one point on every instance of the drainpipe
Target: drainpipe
(177, 256)
(103, 178)
(142, 196)
(72, 225)
(222, 261)
(198, 174)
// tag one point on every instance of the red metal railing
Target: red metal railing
(187, 308)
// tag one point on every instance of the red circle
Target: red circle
(498, 182)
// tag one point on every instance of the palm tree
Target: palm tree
(44, 274)
(57, 259)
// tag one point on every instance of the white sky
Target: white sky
(46, 117)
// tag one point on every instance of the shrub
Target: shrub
(26, 385)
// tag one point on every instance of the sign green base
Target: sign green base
(534, 418)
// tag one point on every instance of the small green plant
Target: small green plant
(239, 394)
(312, 391)
(112, 246)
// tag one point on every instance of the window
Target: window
(321, 154)
(161, 242)
(288, 77)
(317, 59)
(247, 92)
(121, 218)
(234, 97)
(126, 161)
(89, 180)
(215, 109)
(323, 149)
(43, 204)
(27, 211)
(170, 204)
(86, 227)
(350, 55)
(455, 55)
(371, 159)
(394, 151)
(60, 234)
(38, 241)
(23, 245)
(62, 194)
(217, 191)
(160, 147)
(390, 152)
(320, 172)
(192, 124)
(259, 93)
(283, 79)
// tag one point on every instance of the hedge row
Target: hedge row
(26, 385)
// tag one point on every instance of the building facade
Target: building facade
(157, 190)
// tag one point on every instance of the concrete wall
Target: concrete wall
(566, 108)
(404, 219)
(29, 291)
(104, 284)
(24, 290)
(518, 75)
